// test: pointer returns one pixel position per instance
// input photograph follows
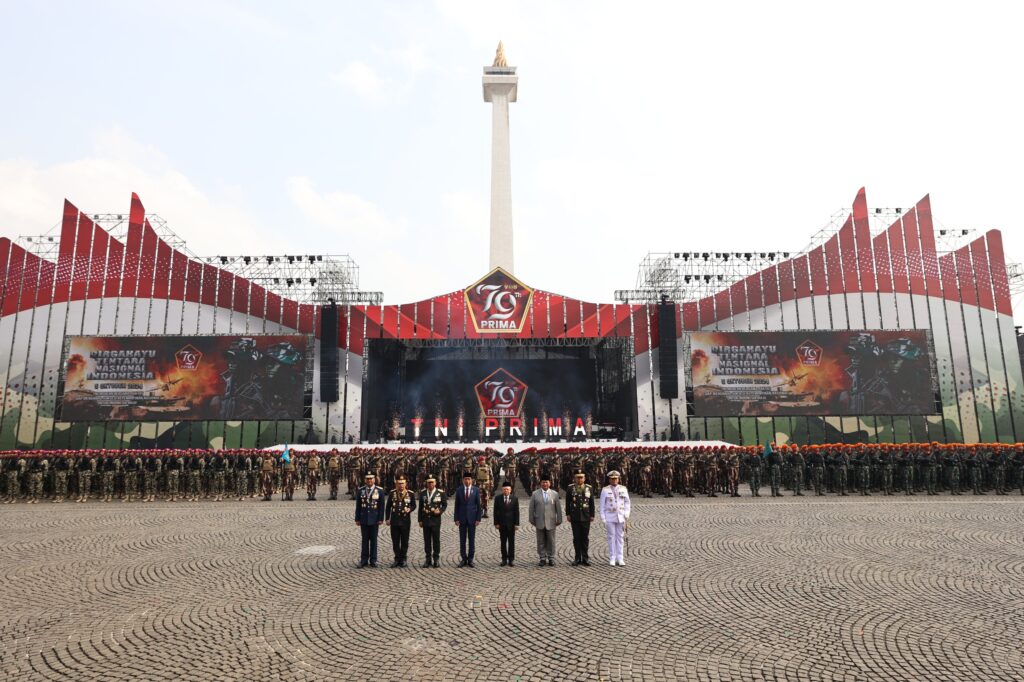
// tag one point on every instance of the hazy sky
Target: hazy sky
(359, 127)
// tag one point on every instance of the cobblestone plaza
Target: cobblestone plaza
(723, 589)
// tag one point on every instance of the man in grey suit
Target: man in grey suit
(545, 516)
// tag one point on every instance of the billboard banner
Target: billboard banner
(851, 372)
(175, 378)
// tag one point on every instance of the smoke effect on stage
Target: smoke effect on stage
(413, 388)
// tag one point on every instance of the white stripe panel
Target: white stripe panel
(962, 371)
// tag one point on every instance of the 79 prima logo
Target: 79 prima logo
(501, 394)
(188, 358)
(498, 303)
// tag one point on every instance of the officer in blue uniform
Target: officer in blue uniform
(369, 515)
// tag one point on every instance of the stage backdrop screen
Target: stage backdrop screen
(175, 378)
(858, 372)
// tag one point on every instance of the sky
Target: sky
(360, 128)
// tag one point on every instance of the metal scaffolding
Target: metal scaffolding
(315, 279)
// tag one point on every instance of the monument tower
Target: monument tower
(500, 86)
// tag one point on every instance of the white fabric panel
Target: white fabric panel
(125, 308)
(790, 319)
(30, 387)
(174, 316)
(944, 360)
(645, 411)
(962, 371)
(1014, 378)
(157, 317)
(837, 303)
(353, 394)
(855, 310)
(979, 373)
(996, 374)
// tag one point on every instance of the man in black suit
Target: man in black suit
(506, 520)
(468, 512)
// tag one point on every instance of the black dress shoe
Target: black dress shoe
(510, 563)
(585, 562)
(463, 563)
(551, 562)
(395, 564)
(504, 562)
(469, 563)
(543, 563)
(427, 564)
(436, 564)
(373, 564)
(362, 565)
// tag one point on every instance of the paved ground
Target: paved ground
(833, 589)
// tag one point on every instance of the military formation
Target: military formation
(649, 470)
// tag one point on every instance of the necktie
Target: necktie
(506, 499)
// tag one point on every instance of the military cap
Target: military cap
(506, 484)
(579, 472)
(613, 474)
(369, 474)
(430, 477)
(400, 477)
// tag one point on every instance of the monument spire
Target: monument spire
(500, 87)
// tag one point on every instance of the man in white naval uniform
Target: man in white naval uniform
(615, 514)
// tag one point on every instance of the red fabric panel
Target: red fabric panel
(273, 307)
(835, 268)
(950, 288)
(862, 240)
(30, 281)
(880, 246)
(208, 292)
(754, 298)
(590, 330)
(787, 289)
(652, 325)
(457, 314)
(848, 257)
(898, 258)
(706, 311)
(241, 303)
(5, 252)
(541, 305)
(965, 276)
(928, 255)
(306, 318)
(801, 277)
(130, 280)
(722, 309)
(640, 340)
(982, 278)
(44, 289)
(193, 281)
(162, 273)
(556, 313)
(406, 315)
(997, 266)
(738, 296)
(690, 316)
(115, 265)
(15, 272)
(374, 322)
(147, 261)
(439, 329)
(915, 267)
(83, 249)
(224, 290)
(573, 318)
(356, 339)
(344, 312)
(290, 313)
(423, 322)
(605, 319)
(257, 301)
(179, 271)
(66, 253)
(770, 282)
(390, 321)
(816, 265)
(98, 262)
(622, 328)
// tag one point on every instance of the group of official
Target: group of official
(395, 509)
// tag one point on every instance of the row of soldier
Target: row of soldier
(650, 470)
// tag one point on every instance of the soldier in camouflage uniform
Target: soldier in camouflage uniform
(150, 474)
(953, 470)
(287, 477)
(242, 465)
(974, 471)
(1018, 460)
(175, 465)
(888, 464)
(312, 476)
(15, 475)
(998, 463)
(86, 469)
(841, 462)
(37, 469)
(817, 462)
(774, 458)
(267, 476)
(217, 466)
(195, 465)
(62, 464)
(754, 468)
(797, 464)
(334, 473)
(932, 475)
(132, 465)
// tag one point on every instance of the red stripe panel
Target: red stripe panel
(623, 313)
(965, 276)
(15, 272)
(306, 318)
(208, 292)
(947, 269)
(80, 269)
(389, 315)
(928, 254)
(590, 329)
(982, 278)
(915, 268)
(162, 273)
(356, 340)
(290, 313)
(652, 325)
(541, 310)
(5, 252)
(880, 246)
(457, 316)
(179, 271)
(801, 277)
(423, 322)
(738, 294)
(640, 340)
(44, 290)
(224, 293)
(690, 316)
(556, 316)
(130, 280)
(848, 256)
(257, 301)
(770, 282)
(439, 328)
(98, 262)
(374, 322)
(722, 310)
(241, 302)
(832, 262)
(147, 261)
(816, 264)
(273, 307)
(406, 312)
(787, 290)
(997, 266)
(115, 265)
(66, 253)
(862, 239)
(706, 311)
(344, 312)
(754, 298)
(573, 318)
(897, 255)
(30, 281)
(679, 320)
(605, 316)
(193, 281)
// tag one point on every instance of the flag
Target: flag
(767, 448)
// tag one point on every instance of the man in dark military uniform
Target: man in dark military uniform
(150, 472)
(369, 514)
(953, 470)
(398, 509)
(86, 468)
(797, 464)
(196, 464)
(817, 461)
(774, 458)
(219, 466)
(130, 466)
(842, 466)
(175, 465)
(110, 467)
(62, 465)
(579, 509)
(36, 470)
(754, 467)
(432, 503)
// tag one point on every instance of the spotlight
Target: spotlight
(312, 281)
(899, 210)
(247, 260)
(223, 260)
(878, 211)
